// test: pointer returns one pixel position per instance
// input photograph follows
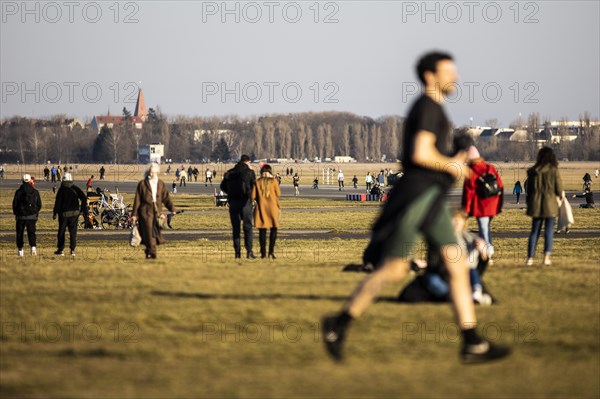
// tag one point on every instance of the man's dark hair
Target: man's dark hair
(428, 63)
(245, 158)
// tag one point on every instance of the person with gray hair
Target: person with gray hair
(70, 202)
(150, 195)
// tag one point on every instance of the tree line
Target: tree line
(290, 136)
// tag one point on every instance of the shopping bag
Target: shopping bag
(135, 239)
(565, 215)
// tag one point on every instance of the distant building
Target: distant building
(151, 153)
(139, 117)
(343, 159)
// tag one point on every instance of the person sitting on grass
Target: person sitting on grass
(589, 198)
(433, 284)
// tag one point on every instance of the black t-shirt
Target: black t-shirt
(426, 114)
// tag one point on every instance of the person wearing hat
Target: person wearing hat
(27, 204)
(70, 202)
(474, 204)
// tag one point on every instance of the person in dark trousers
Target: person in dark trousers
(355, 181)
(46, 174)
(517, 190)
(340, 180)
(296, 183)
(27, 204)
(417, 206)
(238, 183)
(267, 211)
(589, 198)
(70, 202)
(89, 183)
(208, 178)
(102, 172)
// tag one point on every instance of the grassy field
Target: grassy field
(571, 172)
(195, 323)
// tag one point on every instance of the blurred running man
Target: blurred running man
(416, 206)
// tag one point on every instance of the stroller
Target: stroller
(221, 199)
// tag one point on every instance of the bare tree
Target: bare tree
(493, 123)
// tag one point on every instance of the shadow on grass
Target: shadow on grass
(252, 297)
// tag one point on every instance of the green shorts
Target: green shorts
(411, 224)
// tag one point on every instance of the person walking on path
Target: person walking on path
(544, 188)
(150, 196)
(267, 211)
(517, 190)
(69, 204)
(355, 181)
(26, 205)
(340, 179)
(296, 183)
(369, 182)
(89, 183)
(480, 202)
(239, 183)
(102, 172)
(182, 178)
(208, 178)
(418, 205)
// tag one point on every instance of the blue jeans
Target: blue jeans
(536, 229)
(483, 223)
(475, 279)
(436, 285)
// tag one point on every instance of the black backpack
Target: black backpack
(235, 185)
(487, 185)
(29, 204)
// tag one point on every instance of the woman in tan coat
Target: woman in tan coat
(150, 196)
(266, 193)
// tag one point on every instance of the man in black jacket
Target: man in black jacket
(26, 207)
(238, 183)
(70, 202)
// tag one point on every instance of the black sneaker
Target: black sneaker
(58, 252)
(483, 352)
(333, 336)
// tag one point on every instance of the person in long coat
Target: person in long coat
(543, 188)
(266, 193)
(150, 195)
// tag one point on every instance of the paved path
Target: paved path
(287, 190)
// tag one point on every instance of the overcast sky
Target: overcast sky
(250, 58)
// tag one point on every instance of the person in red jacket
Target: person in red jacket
(89, 183)
(484, 209)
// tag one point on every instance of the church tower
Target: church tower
(140, 107)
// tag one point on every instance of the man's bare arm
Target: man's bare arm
(427, 156)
